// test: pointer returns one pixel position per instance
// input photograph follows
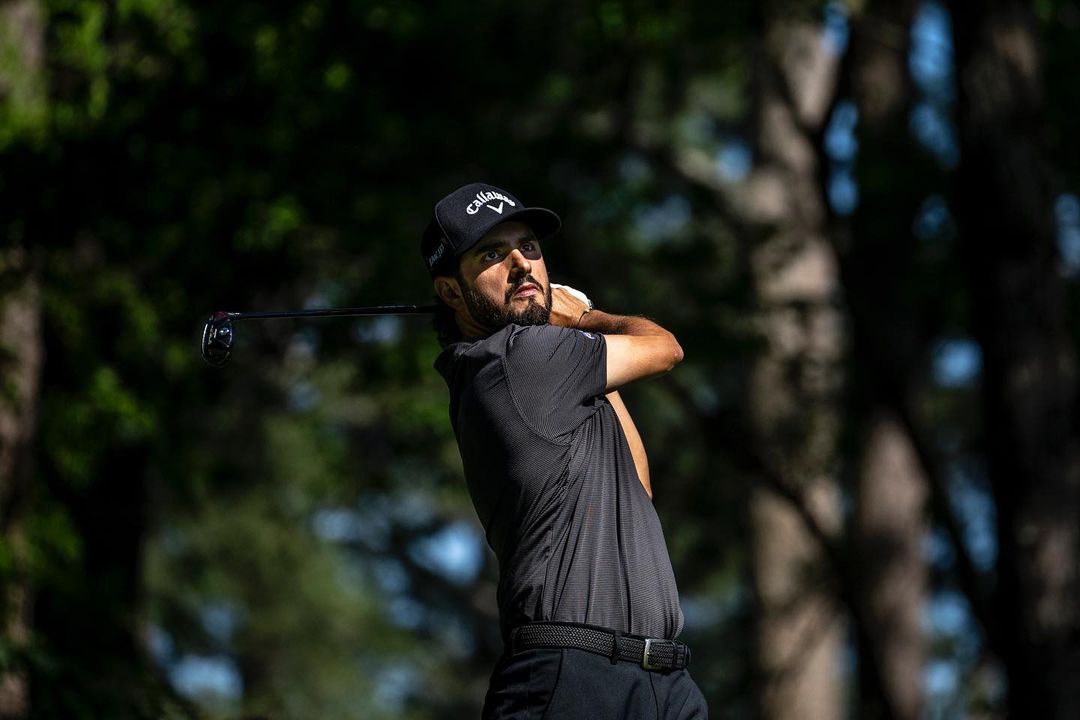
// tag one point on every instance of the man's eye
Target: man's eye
(491, 255)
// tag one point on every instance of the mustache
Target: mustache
(521, 281)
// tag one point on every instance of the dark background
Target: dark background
(860, 219)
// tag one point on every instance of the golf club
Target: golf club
(218, 336)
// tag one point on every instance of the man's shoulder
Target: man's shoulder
(549, 339)
(508, 338)
(515, 343)
(546, 334)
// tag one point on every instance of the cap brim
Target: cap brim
(542, 221)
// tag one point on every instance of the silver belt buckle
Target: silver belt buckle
(648, 648)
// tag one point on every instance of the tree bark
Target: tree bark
(1005, 217)
(795, 383)
(21, 358)
(889, 529)
(877, 259)
(21, 348)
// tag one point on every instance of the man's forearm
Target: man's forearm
(570, 310)
(636, 346)
(608, 324)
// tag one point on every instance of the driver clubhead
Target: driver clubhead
(217, 339)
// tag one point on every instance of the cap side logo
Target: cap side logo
(486, 199)
(434, 257)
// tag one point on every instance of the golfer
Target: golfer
(588, 606)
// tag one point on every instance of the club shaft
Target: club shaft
(336, 312)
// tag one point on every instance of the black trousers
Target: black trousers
(574, 684)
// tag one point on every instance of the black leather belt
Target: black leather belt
(650, 653)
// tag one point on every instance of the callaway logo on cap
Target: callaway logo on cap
(467, 214)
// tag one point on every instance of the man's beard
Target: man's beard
(493, 316)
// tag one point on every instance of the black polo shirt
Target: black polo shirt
(554, 484)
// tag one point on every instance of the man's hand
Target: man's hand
(567, 306)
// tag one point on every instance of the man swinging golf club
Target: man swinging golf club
(558, 475)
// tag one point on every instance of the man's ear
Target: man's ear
(449, 292)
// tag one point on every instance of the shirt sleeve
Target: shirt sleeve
(556, 376)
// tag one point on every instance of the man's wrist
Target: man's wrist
(601, 322)
(608, 324)
(586, 311)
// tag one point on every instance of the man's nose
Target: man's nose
(519, 264)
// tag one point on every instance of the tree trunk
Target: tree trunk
(889, 530)
(22, 93)
(21, 357)
(22, 62)
(1005, 216)
(877, 257)
(794, 387)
